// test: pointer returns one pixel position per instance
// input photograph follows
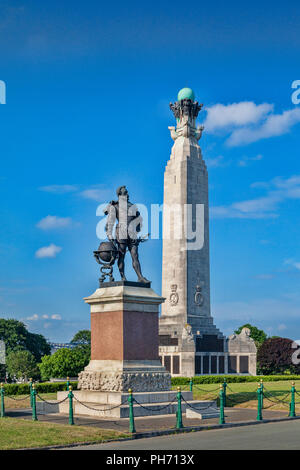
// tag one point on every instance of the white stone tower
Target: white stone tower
(186, 324)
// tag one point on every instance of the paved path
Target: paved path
(145, 424)
(270, 436)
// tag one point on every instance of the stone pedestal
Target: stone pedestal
(124, 341)
(124, 326)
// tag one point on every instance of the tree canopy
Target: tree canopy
(22, 364)
(82, 337)
(64, 363)
(16, 337)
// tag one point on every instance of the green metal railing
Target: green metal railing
(261, 393)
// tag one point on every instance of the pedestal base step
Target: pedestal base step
(211, 412)
(115, 405)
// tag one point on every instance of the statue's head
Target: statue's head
(122, 191)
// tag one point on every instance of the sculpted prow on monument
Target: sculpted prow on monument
(186, 110)
(124, 217)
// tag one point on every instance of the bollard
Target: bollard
(71, 413)
(34, 416)
(179, 424)
(30, 391)
(292, 413)
(262, 393)
(259, 411)
(2, 413)
(191, 384)
(222, 404)
(224, 390)
(131, 415)
(68, 383)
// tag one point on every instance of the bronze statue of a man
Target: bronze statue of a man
(129, 223)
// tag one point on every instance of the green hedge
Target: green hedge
(216, 379)
(52, 387)
(45, 387)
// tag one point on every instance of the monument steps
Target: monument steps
(108, 405)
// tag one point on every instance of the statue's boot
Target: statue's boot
(143, 280)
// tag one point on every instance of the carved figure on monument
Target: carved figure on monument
(199, 299)
(174, 297)
(124, 217)
(187, 334)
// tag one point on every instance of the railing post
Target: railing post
(179, 424)
(2, 413)
(30, 391)
(292, 413)
(222, 404)
(191, 384)
(34, 415)
(259, 411)
(131, 415)
(68, 383)
(71, 413)
(262, 393)
(224, 390)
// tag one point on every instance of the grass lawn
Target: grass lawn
(20, 433)
(243, 395)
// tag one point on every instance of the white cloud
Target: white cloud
(279, 190)
(247, 122)
(222, 116)
(59, 188)
(259, 312)
(95, 193)
(33, 317)
(244, 161)
(215, 162)
(48, 251)
(292, 262)
(274, 125)
(53, 222)
(55, 317)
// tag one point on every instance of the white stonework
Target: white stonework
(120, 376)
(186, 272)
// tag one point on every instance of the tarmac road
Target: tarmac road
(283, 435)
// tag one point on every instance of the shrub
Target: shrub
(65, 362)
(275, 356)
(217, 379)
(46, 387)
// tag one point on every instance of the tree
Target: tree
(64, 363)
(82, 337)
(16, 337)
(275, 356)
(258, 335)
(22, 365)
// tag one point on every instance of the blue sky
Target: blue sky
(88, 89)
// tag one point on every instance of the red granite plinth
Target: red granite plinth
(124, 335)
